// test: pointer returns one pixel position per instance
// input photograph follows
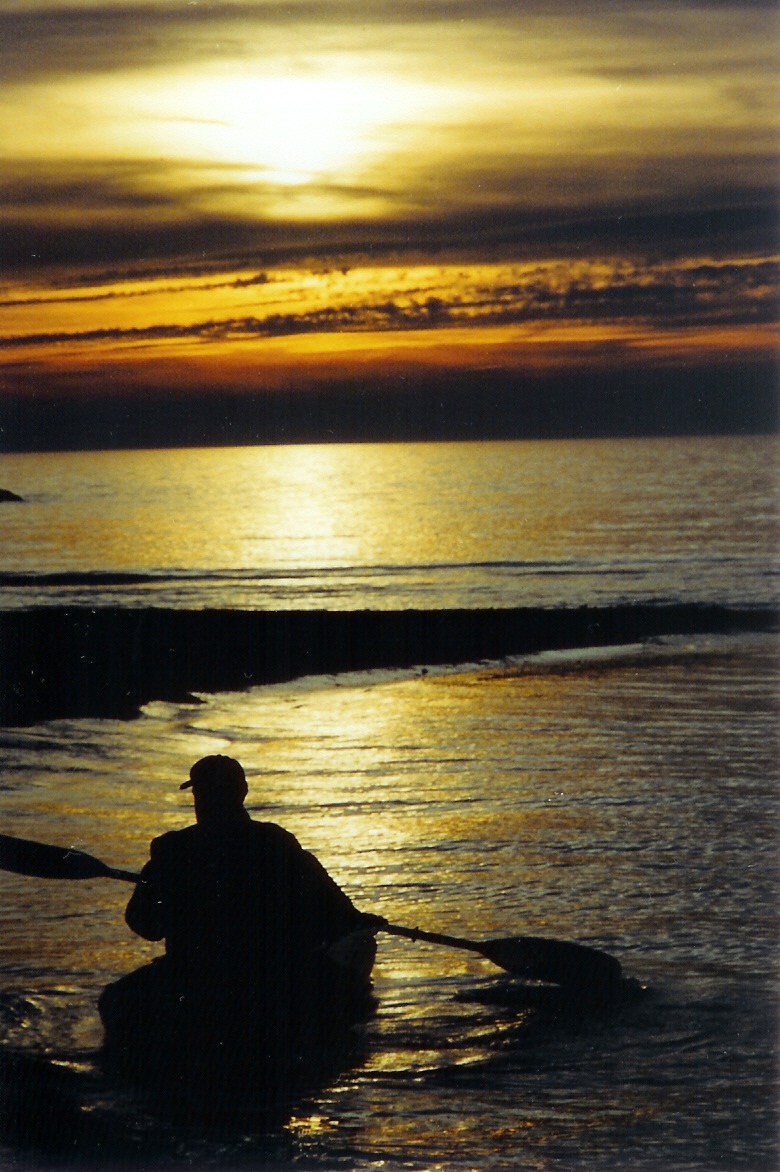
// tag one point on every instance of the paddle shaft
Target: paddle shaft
(432, 937)
(117, 873)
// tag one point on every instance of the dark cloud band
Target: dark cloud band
(665, 296)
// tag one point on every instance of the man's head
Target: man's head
(218, 786)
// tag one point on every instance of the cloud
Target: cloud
(130, 214)
(561, 105)
(125, 294)
(663, 295)
(54, 38)
(623, 156)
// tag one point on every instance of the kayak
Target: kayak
(213, 1055)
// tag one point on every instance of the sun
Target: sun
(294, 129)
(268, 136)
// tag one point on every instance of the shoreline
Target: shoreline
(58, 663)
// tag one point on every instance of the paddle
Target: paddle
(54, 862)
(535, 958)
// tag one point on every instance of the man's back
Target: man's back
(238, 900)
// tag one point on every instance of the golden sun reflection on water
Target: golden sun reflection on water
(399, 526)
(380, 783)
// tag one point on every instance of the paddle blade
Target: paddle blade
(25, 857)
(559, 961)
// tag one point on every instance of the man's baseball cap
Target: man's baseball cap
(216, 770)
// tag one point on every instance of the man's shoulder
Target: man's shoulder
(263, 833)
(271, 832)
(173, 840)
(177, 835)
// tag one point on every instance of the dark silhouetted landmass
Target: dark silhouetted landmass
(736, 398)
(108, 662)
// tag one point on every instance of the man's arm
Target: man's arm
(333, 911)
(144, 913)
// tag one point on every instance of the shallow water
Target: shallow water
(625, 798)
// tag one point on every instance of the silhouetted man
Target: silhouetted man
(249, 920)
(236, 899)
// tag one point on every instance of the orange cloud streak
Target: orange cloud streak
(298, 361)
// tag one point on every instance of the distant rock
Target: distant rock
(7, 495)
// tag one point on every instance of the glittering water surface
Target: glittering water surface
(536, 523)
(625, 798)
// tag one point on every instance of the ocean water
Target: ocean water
(395, 526)
(624, 797)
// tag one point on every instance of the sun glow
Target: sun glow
(293, 129)
(238, 131)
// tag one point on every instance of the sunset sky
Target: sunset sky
(258, 198)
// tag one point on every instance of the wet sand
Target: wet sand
(108, 662)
